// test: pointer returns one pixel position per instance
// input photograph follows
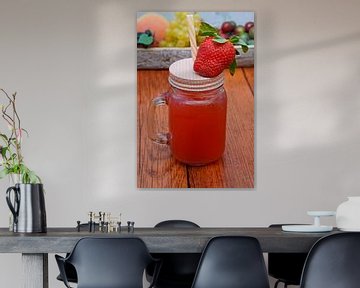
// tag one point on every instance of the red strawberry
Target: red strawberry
(213, 57)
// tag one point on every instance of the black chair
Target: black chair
(108, 263)
(232, 262)
(178, 269)
(69, 269)
(333, 262)
(286, 267)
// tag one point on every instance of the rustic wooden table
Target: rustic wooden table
(156, 168)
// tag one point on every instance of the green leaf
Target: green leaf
(4, 137)
(145, 39)
(32, 176)
(23, 168)
(207, 30)
(237, 40)
(3, 151)
(242, 42)
(219, 39)
(25, 178)
(4, 173)
(232, 67)
(234, 39)
(27, 175)
(13, 156)
(26, 132)
(244, 48)
(211, 34)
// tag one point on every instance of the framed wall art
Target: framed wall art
(195, 99)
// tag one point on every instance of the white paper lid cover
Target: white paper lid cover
(183, 76)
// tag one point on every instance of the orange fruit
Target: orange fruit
(154, 22)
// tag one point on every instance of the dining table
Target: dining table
(157, 168)
(35, 247)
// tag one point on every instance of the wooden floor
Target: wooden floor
(156, 168)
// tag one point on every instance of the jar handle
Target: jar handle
(157, 137)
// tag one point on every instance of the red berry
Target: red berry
(228, 26)
(248, 26)
(213, 57)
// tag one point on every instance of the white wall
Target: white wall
(73, 64)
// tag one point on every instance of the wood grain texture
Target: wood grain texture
(156, 167)
(249, 75)
(236, 168)
(35, 270)
(158, 240)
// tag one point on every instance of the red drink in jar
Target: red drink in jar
(197, 115)
(197, 123)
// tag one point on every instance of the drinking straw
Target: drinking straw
(192, 35)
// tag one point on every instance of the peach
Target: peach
(154, 22)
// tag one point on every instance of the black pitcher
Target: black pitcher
(28, 207)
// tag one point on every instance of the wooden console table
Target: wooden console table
(35, 247)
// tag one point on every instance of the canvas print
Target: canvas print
(195, 99)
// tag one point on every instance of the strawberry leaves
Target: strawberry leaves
(207, 30)
(241, 42)
(232, 67)
(219, 39)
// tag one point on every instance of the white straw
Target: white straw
(192, 35)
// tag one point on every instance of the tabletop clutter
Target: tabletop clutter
(104, 222)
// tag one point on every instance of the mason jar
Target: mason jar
(196, 115)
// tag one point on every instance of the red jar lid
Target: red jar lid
(182, 76)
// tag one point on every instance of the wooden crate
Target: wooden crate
(162, 58)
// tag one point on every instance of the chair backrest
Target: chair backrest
(232, 262)
(178, 269)
(286, 267)
(333, 262)
(110, 262)
(176, 224)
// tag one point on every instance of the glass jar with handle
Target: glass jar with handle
(197, 115)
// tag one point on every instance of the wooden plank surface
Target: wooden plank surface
(35, 270)
(158, 169)
(249, 75)
(158, 240)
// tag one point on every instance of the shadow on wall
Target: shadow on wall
(307, 114)
(347, 39)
